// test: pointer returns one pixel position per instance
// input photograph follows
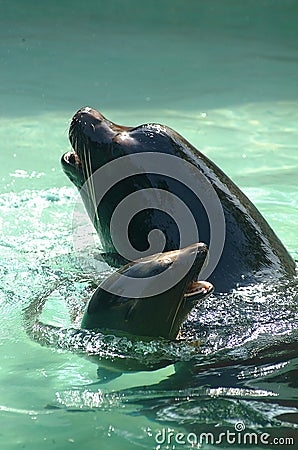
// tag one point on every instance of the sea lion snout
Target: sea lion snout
(87, 123)
(88, 114)
(90, 124)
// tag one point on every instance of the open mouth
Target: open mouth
(72, 158)
(77, 165)
(75, 156)
(198, 289)
(195, 290)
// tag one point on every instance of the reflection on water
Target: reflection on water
(243, 365)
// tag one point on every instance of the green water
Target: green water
(223, 73)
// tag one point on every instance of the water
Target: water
(224, 75)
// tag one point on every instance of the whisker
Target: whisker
(93, 189)
(79, 147)
(175, 314)
(89, 182)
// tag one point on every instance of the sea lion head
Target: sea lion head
(97, 144)
(95, 141)
(159, 315)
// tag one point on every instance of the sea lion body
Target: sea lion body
(146, 317)
(251, 252)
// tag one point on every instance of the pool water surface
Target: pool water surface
(224, 75)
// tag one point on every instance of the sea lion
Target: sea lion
(143, 318)
(250, 253)
(145, 315)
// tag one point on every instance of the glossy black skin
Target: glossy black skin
(252, 252)
(157, 316)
